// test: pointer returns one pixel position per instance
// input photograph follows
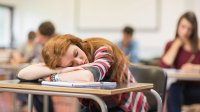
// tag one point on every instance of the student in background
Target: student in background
(27, 47)
(129, 45)
(15, 57)
(69, 58)
(19, 56)
(183, 53)
(45, 31)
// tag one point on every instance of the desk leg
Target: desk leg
(14, 103)
(158, 99)
(46, 103)
(101, 103)
(30, 102)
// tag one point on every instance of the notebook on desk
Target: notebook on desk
(106, 85)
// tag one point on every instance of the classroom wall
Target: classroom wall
(30, 13)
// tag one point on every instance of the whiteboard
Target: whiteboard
(115, 14)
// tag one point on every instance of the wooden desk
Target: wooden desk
(11, 67)
(174, 75)
(181, 75)
(91, 93)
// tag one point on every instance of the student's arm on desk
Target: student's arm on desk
(36, 71)
(190, 67)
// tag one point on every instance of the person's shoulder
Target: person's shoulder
(118, 43)
(103, 49)
(134, 42)
(106, 47)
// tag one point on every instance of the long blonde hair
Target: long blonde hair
(56, 47)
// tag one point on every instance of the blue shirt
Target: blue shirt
(131, 51)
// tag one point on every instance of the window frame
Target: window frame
(11, 9)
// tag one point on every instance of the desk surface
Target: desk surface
(15, 84)
(172, 73)
(12, 67)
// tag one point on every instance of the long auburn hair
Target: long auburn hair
(191, 17)
(56, 47)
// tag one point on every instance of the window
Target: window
(6, 15)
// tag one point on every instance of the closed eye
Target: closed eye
(75, 53)
(71, 65)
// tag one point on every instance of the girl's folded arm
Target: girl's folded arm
(35, 71)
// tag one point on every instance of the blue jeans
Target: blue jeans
(182, 92)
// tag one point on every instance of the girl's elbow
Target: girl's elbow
(22, 75)
(90, 77)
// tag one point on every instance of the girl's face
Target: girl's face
(184, 29)
(74, 56)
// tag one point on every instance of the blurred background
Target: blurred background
(154, 23)
(154, 20)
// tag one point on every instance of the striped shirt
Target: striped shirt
(129, 102)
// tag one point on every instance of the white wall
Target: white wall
(30, 13)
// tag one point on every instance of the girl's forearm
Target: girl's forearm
(35, 71)
(197, 67)
(170, 55)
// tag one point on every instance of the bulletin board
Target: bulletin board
(109, 15)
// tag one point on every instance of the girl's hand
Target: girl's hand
(47, 78)
(188, 67)
(178, 42)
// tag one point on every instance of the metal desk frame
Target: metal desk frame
(78, 95)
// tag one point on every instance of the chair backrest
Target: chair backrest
(150, 74)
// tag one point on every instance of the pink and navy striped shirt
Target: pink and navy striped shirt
(129, 102)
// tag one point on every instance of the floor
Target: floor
(61, 104)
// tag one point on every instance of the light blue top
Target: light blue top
(131, 51)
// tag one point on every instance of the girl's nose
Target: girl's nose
(79, 61)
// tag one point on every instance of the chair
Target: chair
(150, 74)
